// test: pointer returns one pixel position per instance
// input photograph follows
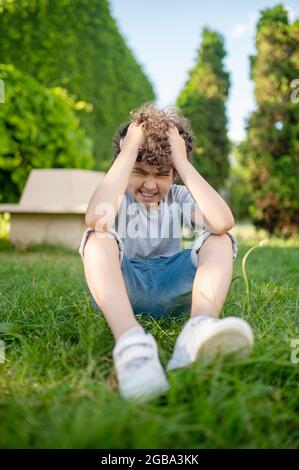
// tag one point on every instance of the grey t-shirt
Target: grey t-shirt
(154, 233)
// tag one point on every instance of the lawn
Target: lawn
(58, 387)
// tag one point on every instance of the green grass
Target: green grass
(58, 387)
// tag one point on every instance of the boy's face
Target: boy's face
(147, 185)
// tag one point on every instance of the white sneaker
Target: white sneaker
(139, 371)
(206, 338)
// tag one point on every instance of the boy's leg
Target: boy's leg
(135, 354)
(204, 334)
(106, 283)
(213, 276)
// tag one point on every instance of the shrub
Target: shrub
(38, 129)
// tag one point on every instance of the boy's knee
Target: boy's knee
(100, 240)
(222, 241)
(226, 239)
(228, 243)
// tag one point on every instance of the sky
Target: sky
(164, 36)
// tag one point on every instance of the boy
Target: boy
(133, 263)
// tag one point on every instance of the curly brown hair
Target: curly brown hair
(156, 149)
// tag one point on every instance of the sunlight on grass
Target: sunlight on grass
(247, 290)
(58, 386)
(4, 225)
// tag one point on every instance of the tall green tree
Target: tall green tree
(271, 149)
(76, 44)
(203, 100)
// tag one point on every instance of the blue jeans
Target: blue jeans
(159, 286)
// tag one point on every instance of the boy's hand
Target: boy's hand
(177, 145)
(134, 137)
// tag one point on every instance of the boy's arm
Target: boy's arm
(106, 199)
(212, 211)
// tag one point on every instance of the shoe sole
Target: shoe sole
(232, 337)
(226, 342)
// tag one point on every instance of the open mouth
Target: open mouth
(148, 196)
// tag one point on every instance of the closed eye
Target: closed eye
(142, 173)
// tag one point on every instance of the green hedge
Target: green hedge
(38, 129)
(76, 44)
